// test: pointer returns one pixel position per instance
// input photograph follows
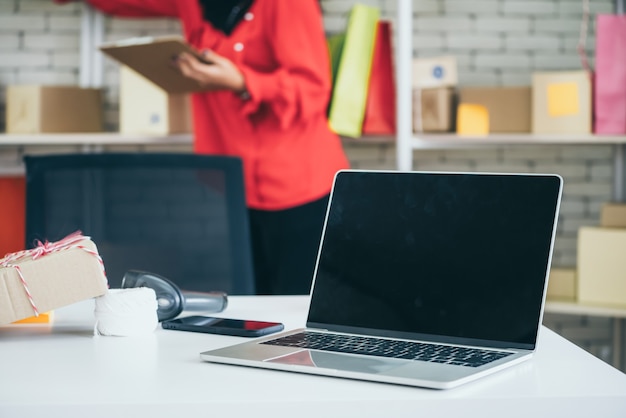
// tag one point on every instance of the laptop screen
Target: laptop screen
(454, 257)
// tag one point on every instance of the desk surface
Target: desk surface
(64, 371)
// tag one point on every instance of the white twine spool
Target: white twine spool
(126, 312)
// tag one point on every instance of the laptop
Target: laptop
(428, 279)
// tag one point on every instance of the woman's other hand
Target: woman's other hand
(215, 72)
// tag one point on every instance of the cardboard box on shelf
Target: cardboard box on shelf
(435, 72)
(35, 109)
(433, 109)
(601, 266)
(613, 215)
(48, 277)
(146, 109)
(509, 108)
(561, 102)
(562, 284)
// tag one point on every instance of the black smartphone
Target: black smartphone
(224, 326)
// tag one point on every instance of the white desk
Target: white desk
(64, 371)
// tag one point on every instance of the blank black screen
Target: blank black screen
(457, 257)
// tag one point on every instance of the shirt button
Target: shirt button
(238, 47)
(248, 16)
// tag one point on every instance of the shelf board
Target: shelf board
(370, 139)
(97, 138)
(451, 140)
(575, 308)
(427, 140)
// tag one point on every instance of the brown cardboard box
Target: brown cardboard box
(433, 109)
(602, 266)
(146, 109)
(613, 215)
(562, 284)
(54, 279)
(34, 109)
(561, 102)
(508, 107)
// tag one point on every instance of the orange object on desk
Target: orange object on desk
(43, 318)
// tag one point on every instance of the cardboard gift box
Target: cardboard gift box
(602, 266)
(613, 215)
(508, 108)
(48, 277)
(147, 109)
(435, 72)
(561, 102)
(433, 109)
(562, 284)
(35, 109)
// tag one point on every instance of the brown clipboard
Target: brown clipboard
(152, 58)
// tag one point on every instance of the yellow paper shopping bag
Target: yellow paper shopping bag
(351, 80)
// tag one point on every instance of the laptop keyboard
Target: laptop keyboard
(380, 347)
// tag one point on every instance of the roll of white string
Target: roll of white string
(126, 312)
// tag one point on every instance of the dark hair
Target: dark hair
(224, 14)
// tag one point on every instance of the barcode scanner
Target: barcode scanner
(171, 300)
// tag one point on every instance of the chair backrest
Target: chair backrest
(182, 216)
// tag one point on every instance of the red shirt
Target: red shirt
(289, 153)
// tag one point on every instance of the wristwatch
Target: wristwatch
(244, 95)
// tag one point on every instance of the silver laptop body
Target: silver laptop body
(429, 279)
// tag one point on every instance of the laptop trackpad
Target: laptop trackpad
(336, 361)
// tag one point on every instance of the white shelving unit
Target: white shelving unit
(407, 141)
(404, 100)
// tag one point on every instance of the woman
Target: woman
(267, 79)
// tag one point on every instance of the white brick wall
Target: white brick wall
(497, 42)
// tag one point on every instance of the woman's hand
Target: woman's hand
(214, 73)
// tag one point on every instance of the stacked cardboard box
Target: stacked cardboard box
(562, 284)
(601, 259)
(35, 109)
(147, 109)
(561, 102)
(497, 110)
(434, 81)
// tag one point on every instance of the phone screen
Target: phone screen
(225, 326)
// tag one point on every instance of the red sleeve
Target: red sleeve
(300, 87)
(137, 8)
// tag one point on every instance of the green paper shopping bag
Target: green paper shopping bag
(335, 46)
(351, 79)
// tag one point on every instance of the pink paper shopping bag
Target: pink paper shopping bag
(610, 75)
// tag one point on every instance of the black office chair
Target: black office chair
(181, 216)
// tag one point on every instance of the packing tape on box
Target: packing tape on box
(126, 312)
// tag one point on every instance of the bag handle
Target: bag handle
(582, 40)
